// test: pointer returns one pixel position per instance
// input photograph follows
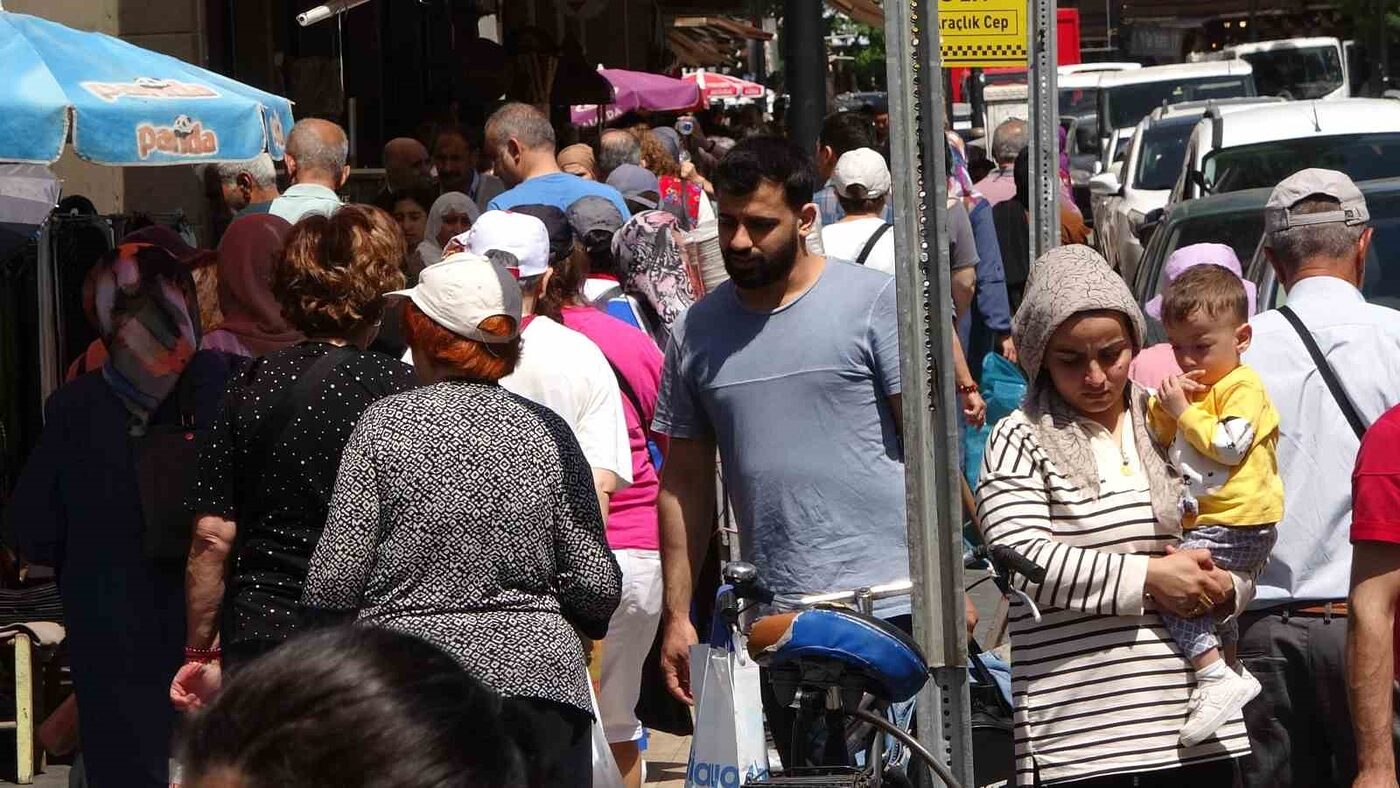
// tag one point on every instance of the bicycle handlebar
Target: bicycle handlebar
(1015, 562)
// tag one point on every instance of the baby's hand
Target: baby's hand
(1176, 392)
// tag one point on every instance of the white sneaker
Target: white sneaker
(1214, 702)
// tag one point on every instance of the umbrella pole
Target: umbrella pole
(48, 325)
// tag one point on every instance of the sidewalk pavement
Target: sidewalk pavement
(666, 757)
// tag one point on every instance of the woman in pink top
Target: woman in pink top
(632, 521)
(1157, 363)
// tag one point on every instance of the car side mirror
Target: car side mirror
(1105, 184)
(1149, 225)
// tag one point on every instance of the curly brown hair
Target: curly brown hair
(658, 159)
(336, 269)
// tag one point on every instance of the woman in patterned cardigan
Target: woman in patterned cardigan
(466, 515)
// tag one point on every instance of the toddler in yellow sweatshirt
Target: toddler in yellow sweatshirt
(1222, 431)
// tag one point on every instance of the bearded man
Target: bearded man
(791, 370)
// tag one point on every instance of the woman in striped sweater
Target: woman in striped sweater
(1073, 481)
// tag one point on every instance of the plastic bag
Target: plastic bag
(1003, 387)
(728, 747)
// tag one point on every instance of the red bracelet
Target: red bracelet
(205, 655)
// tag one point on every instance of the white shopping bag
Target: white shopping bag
(605, 773)
(728, 748)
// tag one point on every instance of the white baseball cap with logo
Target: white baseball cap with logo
(861, 167)
(463, 290)
(521, 234)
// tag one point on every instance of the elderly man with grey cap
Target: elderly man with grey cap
(464, 514)
(1331, 364)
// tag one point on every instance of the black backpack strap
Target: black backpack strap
(870, 243)
(1329, 375)
(631, 395)
(273, 431)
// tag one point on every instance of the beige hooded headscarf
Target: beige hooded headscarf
(1066, 281)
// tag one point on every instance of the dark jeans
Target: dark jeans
(1299, 726)
(1215, 774)
(555, 741)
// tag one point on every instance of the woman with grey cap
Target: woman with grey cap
(1074, 482)
(465, 515)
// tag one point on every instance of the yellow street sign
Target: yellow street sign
(981, 33)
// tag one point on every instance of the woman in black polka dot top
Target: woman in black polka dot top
(269, 463)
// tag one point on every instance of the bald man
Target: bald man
(316, 156)
(407, 164)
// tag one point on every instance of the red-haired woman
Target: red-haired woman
(268, 465)
(465, 514)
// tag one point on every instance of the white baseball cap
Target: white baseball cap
(521, 234)
(861, 167)
(464, 289)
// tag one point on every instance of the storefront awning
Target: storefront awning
(704, 41)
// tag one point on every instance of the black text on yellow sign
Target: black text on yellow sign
(977, 33)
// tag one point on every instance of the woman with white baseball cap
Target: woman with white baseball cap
(465, 514)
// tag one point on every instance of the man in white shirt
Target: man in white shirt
(861, 182)
(559, 367)
(1293, 639)
(317, 151)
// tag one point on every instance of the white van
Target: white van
(1126, 97)
(1294, 68)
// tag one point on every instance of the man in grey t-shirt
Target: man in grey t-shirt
(791, 369)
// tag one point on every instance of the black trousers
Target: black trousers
(1300, 726)
(1215, 774)
(555, 741)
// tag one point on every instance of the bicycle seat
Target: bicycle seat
(886, 657)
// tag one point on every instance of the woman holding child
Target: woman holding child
(1076, 482)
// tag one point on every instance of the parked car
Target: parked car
(1236, 219)
(1078, 86)
(1131, 189)
(1126, 97)
(1261, 146)
(1381, 284)
(1294, 68)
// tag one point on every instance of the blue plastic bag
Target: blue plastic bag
(1003, 387)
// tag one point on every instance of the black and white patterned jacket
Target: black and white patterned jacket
(466, 515)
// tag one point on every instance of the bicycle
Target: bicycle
(842, 670)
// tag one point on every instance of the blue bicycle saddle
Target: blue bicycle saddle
(884, 654)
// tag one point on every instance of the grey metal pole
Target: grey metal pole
(1045, 130)
(804, 64)
(932, 493)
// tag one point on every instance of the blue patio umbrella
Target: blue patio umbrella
(119, 104)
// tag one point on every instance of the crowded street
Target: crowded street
(694, 393)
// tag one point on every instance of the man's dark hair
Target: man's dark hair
(767, 158)
(845, 131)
(354, 706)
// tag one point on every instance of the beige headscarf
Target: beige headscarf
(1065, 281)
(581, 155)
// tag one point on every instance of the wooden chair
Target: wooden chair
(32, 641)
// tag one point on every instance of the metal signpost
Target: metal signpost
(970, 33)
(1045, 130)
(930, 406)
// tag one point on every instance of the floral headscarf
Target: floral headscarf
(1064, 282)
(147, 315)
(655, 264)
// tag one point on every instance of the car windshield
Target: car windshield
(1297, 72)
(1079, 101)
(1162, 157)
(1126, 105)
(1381, 284)
(1241, 231)
(1362, 156)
